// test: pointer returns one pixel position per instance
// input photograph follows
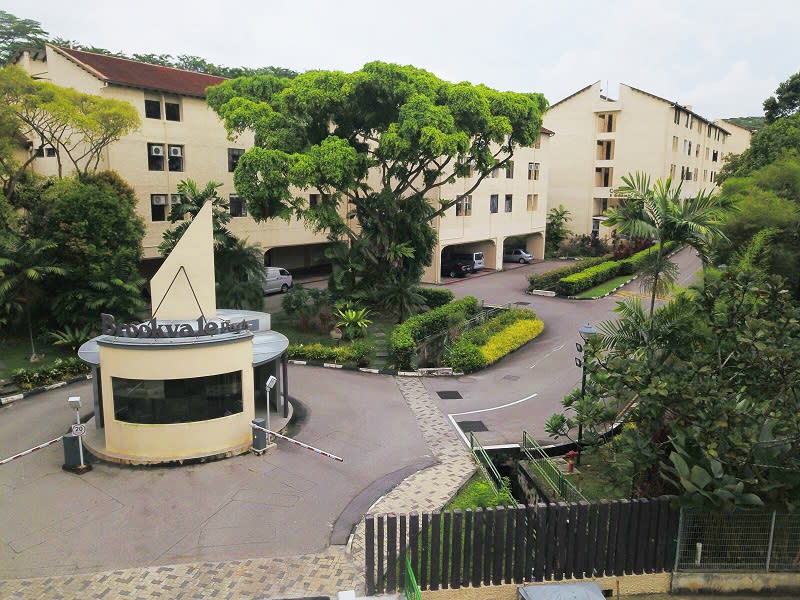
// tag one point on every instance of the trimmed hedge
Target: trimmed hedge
(484, 345)
(357, 352)
(512, 337)
(549, 280)
(588, 278)
(404, 338)
(434, 297)
(59, 370)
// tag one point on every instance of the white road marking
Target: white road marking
(482, 410)
(548, 354)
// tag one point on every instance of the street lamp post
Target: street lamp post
(586, 332)
(268, 387)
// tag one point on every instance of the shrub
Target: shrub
(481, 334)
(549, 280)
(464, 356)
(311, 307)
(353, 322)
(435, 297)
(60, 370)
(404, 337)
(583, 245)
(578, 282)
(637, 262)
(512, 337)
(357, 352)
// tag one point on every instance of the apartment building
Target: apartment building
(509, 206)
(601, 139)
(182, 138)
(738, 140)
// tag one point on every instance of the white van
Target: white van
(473, 258)
(277, 280)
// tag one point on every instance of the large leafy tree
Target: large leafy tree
(659, 212)
(79, 126)
(377, 144)
(16, 34)
(238, 267)
(786, 100)
(24, 267)
(97, 239)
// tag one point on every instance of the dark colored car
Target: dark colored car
(455, 268)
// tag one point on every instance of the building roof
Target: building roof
(732, 124)
(573, 94)
(676, 105)
(132, 73)
(547, 131)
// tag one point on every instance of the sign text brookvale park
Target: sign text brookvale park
(154, 329)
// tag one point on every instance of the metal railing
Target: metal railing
(487, 312)
(548, 470)
(752, 541)
(489, 470)
(410, 587)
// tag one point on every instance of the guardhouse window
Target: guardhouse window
(162, 401)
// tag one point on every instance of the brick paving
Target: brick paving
(324, 573)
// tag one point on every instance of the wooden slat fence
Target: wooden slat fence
(518, 544)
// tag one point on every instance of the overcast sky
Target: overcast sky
(722, 57)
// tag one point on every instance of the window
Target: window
(712, 176)
(688, 116)
(175, 158)
(172, 111)
(157, 401)
(233, 158)
(699, 127)
(697, 151)
(509, 203)
(494, 173)
(158, 207)
(494, 199)
(695, 175)
(672, 171)
(238, 206)
(709, 130)
(152, 109)
(175, 200)
(690, 149)
(155, 157)
(464, 207)
(674, 143)
(714, 156)
(677, 119)
(469, 169)
(610, 126)
(707, 152)
(533, 171)
(685, 145)
(51, 152)
(705, 174)
(688, 174)
(510, 169)
(39, 152)
(533, 202)
(313, 200)
(683, 173)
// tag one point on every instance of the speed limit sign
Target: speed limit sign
(78, 429)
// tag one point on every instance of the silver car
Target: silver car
(517, 255)
(277, 280)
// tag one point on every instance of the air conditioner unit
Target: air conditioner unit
(159, 200)
(157, 150)
(175, 151)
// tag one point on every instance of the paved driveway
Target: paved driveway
(522, 390)
(283, 503)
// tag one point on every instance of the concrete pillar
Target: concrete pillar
(535, 245)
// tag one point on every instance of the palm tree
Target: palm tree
(192, 199)
(658, 212)
(23, 264)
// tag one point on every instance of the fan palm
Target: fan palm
(23, 265)
(657, 211)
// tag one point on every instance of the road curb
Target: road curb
(41, 389)
(434, 372)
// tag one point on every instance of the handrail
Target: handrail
(487, 466)
(549, 471)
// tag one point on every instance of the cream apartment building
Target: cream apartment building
(600, 139)
(182, 138)
(739, 138)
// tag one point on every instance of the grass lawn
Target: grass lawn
(591, 480)
(17, 352)
(478, 492)
(604, 288)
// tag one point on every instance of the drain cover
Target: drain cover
(474, 426)
(521, 303)
(511, 377)
(449, 395)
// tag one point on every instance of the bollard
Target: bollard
(72, 455)
(259, 436)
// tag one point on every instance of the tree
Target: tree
(97, 237)
(658, 212)
(238, 268)
(377, 144)
(785, 102)
(556, 229)
(781, 138)
(16, 34)
(24, 266)
(79, 126)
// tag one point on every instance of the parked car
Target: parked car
(473, 259)
(517, 255)
(454, 268)
(277, 280)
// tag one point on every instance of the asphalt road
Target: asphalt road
(522, 390)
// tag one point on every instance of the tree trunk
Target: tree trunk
(655, 277)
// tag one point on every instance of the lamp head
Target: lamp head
(271, 382)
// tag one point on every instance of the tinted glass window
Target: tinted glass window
(177, 400)
(152, 109)
(284, 272)
(172, 111)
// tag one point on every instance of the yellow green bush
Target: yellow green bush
(512, 337)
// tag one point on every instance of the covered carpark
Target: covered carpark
(300, 259)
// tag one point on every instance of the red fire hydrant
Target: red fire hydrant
(571, 456)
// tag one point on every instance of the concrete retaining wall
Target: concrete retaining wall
(729, 583)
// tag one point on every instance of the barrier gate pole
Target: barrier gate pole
(298, 443)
